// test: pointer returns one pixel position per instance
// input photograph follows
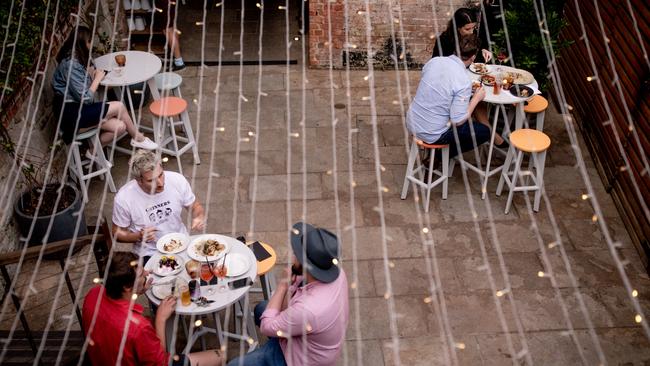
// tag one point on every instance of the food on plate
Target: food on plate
(480, 68)
(173, 245)
(209, 247)
(488, 79)
(518, 77)
(523, 93)
(167, 264)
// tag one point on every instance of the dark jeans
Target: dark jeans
(270, 354)
(481, 131)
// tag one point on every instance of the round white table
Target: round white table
(140, 67)
(501, 100)
(221, 299)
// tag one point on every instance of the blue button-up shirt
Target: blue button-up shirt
(443, 95)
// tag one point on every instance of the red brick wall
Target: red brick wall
(418, 22)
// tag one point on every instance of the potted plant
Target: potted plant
(46, 203)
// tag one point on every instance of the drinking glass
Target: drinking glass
(186, 298)
(206, 275)
(221, 271)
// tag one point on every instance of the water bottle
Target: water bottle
(195, 289)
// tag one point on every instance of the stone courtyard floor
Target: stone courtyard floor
(456, 257)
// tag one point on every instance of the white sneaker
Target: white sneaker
(146, 144)
(145, 5)
(127, 4)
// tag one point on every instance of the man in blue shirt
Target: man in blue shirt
(444, 97)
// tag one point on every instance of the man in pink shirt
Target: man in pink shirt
(307, 315)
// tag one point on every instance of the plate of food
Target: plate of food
(488, 80)
(172, 243)
(520, 77)
(212, 246)
(478, 68)
(521, 91)
(166, 265)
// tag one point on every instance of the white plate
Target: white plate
(191, 249)
(184, 239)
(237, 264)
(156, 269)
(163, 290)
(472, 68)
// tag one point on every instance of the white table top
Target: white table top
(140, 66)
(221, 299)
(504, 96)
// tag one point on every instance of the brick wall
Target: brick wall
(418, 22)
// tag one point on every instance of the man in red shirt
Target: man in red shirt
(117, 331)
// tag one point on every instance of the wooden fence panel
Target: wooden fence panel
(626, 103)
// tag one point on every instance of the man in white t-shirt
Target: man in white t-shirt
(150, 205)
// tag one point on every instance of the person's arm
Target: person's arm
(463, 105)
(198, 216)
(165, 310)
(276, 317)
(81, 88)
(125, 235)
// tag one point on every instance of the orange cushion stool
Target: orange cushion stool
(168, 106)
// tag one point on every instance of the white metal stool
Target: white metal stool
(96, 164)
(426, 183)
(169, 82)
(525, 141)
(169, 113)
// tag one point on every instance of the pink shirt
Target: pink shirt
(320, 311)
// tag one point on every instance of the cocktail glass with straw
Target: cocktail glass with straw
(206, 275)
(221, 271)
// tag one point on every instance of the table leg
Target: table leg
(490, 149)
(155, 94)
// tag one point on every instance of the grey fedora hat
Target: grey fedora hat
(321, 248)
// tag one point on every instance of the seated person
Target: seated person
(150, 205)
(315, 316)
(75, 96)
(168, 18)
(444, 97)
(109, 319)
(465, 22)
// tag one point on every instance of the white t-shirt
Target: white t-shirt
(135, 209)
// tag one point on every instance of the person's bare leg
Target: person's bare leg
(172, 39)
(110, 129)
(118, 111)
(206, 358)
(481, 115)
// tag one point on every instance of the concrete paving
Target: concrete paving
(465, 258)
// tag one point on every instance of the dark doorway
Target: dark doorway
(273, 30)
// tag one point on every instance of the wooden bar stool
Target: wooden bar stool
(264, 271)
(169, 82)
(537, 106)
(421, 180)
(169, 113)
(95, 164)
(536, 143)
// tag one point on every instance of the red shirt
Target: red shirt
(142, 345)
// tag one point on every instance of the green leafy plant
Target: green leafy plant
(29, 39)
(526, 43)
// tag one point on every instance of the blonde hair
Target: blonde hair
(143, 161)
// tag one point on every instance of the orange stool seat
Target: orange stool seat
(428, 146)
(530, 141)
(168, 106)
(536, 104)
(266, 265)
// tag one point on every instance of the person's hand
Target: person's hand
(147, 285)
(479, 93)
(166, 308)
(148, 234)
(198, 223)
(98, 74)
(487, 55)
